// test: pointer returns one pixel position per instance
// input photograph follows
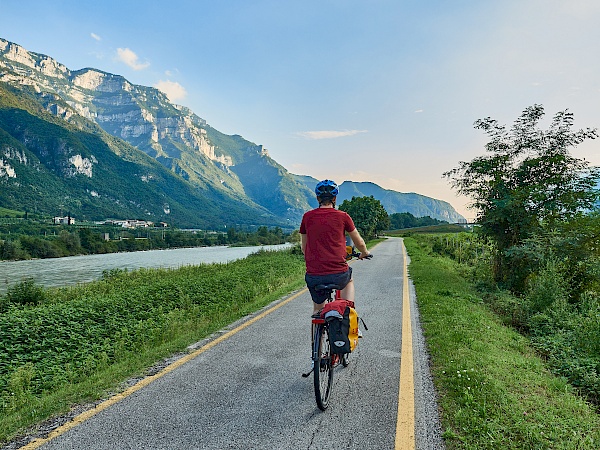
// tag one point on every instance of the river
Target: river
(81, 269)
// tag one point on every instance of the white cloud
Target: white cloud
(328, 134)
(95, 36)
(419, 111)
(174, 90)
(131, 59)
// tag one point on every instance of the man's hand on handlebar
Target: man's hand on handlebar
(351, 253)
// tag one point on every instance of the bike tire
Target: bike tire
(345, 360)
(323, 370)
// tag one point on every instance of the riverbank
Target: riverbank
(30, 239)
(73, 270)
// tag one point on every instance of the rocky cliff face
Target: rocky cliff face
(110, 100)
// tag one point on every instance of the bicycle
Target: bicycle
(324, 361)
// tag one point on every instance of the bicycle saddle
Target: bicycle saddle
(327, 287)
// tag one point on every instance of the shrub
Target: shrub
(26, 293)
(547, 288)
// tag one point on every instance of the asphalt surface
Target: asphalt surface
(247, 392)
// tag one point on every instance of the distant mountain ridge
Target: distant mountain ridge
(393, 201)
(398, 202)
(227, 179)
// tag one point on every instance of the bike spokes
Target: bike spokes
(323, 370)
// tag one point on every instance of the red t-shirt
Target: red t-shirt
(325, 251)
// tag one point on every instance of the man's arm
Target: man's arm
(359, 243)
(303, 243)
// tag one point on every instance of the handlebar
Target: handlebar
(357, 255)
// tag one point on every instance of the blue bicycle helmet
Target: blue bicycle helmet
(326, 188)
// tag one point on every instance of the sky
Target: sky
(385, 91)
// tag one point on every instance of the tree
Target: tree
(403, 220)
(527, 182)
(368, 214)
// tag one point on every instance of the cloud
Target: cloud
(419, 111)
(328, 134)
(174, 90)
(131, 59)
(95, 36)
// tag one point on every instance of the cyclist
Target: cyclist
(322, 231)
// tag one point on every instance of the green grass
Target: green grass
(443, 228)
(78, 344)
(495, 391)
(5, 212)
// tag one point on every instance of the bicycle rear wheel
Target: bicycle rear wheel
(345, 360)
(323, 370)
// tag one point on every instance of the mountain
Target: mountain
(48, 165)
(217, 165)
(100, 146)
(393, 201)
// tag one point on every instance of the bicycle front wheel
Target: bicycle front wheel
(323, 370)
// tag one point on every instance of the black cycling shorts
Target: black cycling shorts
(341, 279)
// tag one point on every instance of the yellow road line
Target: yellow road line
(405, 425)
(77, 420)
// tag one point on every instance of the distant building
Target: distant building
(63, 220)
(130, 223)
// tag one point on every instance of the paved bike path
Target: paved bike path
(247, 391)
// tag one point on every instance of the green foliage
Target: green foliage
(398, 202)
(7, 213)
(26, 293)
(11, 249)
(399, 221)
(563, 325)
(574, 244)
(528, 182)
(546, 289)
(431, 229)
(368, 214)
(18, 394)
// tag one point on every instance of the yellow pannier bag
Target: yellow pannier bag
(353, 329)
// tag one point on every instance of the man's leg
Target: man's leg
(348, 291)
(348, 294)
(317, 307)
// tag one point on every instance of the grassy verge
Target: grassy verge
(63, 347)
(444, 228)
(495, 391)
